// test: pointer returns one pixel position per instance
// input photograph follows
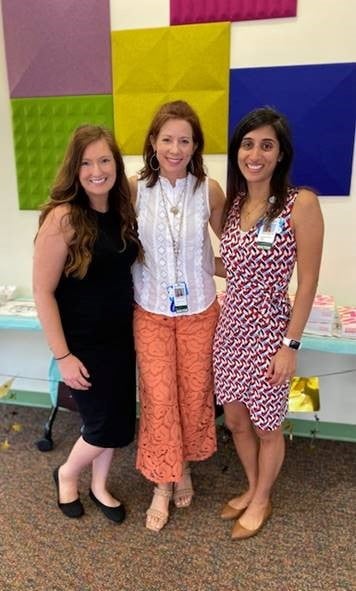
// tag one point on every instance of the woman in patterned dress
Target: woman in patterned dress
(268, 227)
(177, 310)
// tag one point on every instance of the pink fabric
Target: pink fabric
(208, 11)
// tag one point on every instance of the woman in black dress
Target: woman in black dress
(84, 249)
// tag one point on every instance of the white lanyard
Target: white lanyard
(175, 240)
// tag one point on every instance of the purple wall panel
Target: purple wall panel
(208, 11)
(57, 48)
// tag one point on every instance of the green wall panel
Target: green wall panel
(42, 127)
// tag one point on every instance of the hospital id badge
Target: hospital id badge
(177, 294)
(268, 231)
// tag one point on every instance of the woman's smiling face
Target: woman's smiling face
(97, 172)
(174, 148)
(258, 154)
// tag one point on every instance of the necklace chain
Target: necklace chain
(175, 239)
(174, 208)
(266, 203)
(246, 215)
(257, 207)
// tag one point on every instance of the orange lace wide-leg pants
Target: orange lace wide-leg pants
(177, 417)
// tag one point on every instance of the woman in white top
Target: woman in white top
(176, 310)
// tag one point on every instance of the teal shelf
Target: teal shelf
(320, 430)
(27, 398)
(329, 344)
(337, 345)
(19, 323)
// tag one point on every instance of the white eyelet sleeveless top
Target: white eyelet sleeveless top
(196, 262)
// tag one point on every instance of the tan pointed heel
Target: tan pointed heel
(240, 532)
(229, 512)
(157, 519)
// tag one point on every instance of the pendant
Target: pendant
(174, 210)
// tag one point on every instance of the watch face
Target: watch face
(294, 344)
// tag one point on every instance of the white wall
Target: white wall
(309, 38)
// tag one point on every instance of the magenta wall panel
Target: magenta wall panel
(57, 47)
(208, 11)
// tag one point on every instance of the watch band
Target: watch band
(292, 343)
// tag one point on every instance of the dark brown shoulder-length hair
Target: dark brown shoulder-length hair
(67, 189)
(173, 110)
(280, 181)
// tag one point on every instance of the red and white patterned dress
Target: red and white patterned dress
(254, 317)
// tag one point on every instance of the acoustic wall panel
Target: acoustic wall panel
(152, 66)
(42, 127)
(57, 48)
(320, 103)
(208, 11)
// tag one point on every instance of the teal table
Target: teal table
(19, 323)
(334, 345)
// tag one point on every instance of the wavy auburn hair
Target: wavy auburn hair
(67, 189)
(174, 110)
(280, 182)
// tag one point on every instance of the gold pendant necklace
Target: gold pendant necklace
(174, 209)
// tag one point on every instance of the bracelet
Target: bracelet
(64, 356)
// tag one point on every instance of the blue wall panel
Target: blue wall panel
(320, 103)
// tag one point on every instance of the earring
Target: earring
(155, 169)
(280, 158)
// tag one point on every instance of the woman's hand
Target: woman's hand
(74, 373)
(282, 367)
(220, 270)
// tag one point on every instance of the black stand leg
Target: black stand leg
(46, 443)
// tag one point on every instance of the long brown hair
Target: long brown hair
(236, 182)
(68, 189)
(173, 110)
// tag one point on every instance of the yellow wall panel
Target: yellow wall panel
(152, 66)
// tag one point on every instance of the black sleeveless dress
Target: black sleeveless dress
(96, 314)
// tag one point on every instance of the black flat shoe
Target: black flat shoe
(116, 514)
(74, 509)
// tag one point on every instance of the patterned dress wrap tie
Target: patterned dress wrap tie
(254, 317)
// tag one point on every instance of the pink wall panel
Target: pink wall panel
(57, 47)
(207, 11)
